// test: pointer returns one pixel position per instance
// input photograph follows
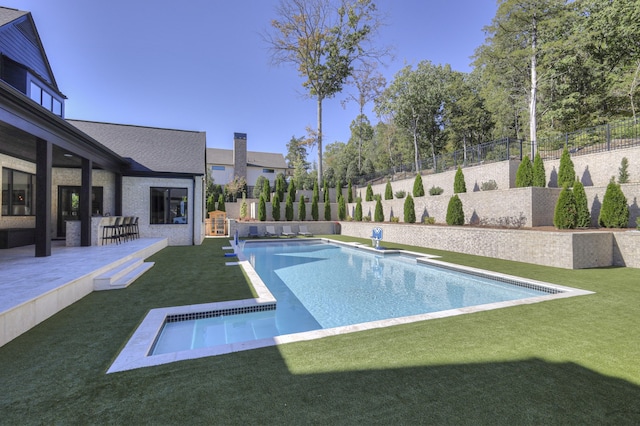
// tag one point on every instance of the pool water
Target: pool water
(319, 285)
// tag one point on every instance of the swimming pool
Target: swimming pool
(320, 285)
(138, 350)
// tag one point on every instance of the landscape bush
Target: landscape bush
(429, 220)
(378, 214)
(262, 209)
(266, 190)
(288, 207)
(357, 215)
(314, 208)
(459, 185)
(614, 212)
(539, 175)
(388, 192)
(566, 212)
(349, 193)
(623, 171)
(327, 211)
(583, 217)
(243, 206)
(394, 219)
(566, 172)
(369, 196)
(400, 194)
(302, 209)
(275, 207)
(418, 187)
(342, 208)
(524, 175)
(455, 212)
(409, 210)
(489, 185)
(435, 190)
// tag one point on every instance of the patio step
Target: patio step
(122, 275)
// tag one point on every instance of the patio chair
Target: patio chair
(271, 231)
(287, 232)
(253, 232)
(304, 231)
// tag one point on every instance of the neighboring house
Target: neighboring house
(54, 170)
(225, 164)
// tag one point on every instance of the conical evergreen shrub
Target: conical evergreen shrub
(262, 209)
(539, 175)
(369, 196)
(455, 212)
(459, 185)
(342, 208)
(524, 175)
(614, 212)
(388, 192)
(327, 211)
(566, 213)
(349, 193)
(292, 191)
(418, 187)
(221, 206)
(266, 190)
(275, 207)
(316, 192)
(325, 190)
(288, 208)
(314, 209)
(583, 217)
(357, 215)
(409, 210)
(566, 172)
(302, 210)
(378, 215)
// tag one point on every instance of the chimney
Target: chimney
(240, 155)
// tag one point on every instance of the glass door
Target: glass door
(69, 205)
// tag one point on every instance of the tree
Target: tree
(243, 206)
(524, 175)
(211, 203)
(409, 210)
(275, 207)
(314, 208)
(302, 209)
(459, 185)
(281, 184)
(583, 217)
(614, 212)
(455, 212)
(378, 214)
(418, 187)
(325, 192)
(292, 191)
(258, 189)
(357, 215)
(566, 212)
(266, 190)
(566, 172)
(323, 40)
(236, 188)
(288, 208)
(369, 196)
(342, 208)
(388, 191)
(262, 209)
(221, 203)
(623, 171)
(539, 175)
(297, 153)
(349, 193)
(327, 211)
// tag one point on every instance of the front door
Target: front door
(69, 205)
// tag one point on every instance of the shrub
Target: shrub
(369, 196)
(325, 190)
(349, 193)
(623, 171)
(280, 185)
(288, 207)
(418, 188)
(316, 195)
(357, 216)
(614, 212)
(566, 172)
(400, 194)
(583, 217)
(435, 190)
(565, 213)
(455, 213)
(275, 207)
(459, 186)
(394, 219)
(243, 206)
(211, 205)
(257, 190)
(262, 209)
(302, 209)
(388, 192)
(342, 208)
(314, 209)
(489, 185)
(409, 210)
(428, 220)
(266, 190)
(292, 191)
(378, 214)
(327, 211)
(524, 175)
(221, 206)
(539, 175)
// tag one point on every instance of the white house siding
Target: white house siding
(221, 177)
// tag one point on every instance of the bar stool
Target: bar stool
(111, 230)
(135, 230)
(125, 228)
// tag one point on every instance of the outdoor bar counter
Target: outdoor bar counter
(97, 222)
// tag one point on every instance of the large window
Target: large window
(44, 98)
(168, 205)
(18, 193)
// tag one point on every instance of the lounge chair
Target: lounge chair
(304, 231)
(287, 232)
(253, 232)
(270, 232)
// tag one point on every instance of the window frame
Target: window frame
(9, 199)
(161, 207)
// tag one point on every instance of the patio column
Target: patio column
(44, 157)
(85, 203)
(118, 195)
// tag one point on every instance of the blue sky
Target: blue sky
(202, 65)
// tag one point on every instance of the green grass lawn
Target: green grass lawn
(567, 361)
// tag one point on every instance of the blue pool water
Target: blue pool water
(320, 285)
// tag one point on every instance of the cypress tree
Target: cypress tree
(349, 193)
(316, 194)
(327, 211)
(565, 213)
(418, 188)
(262, 209)
(342, 208)
(275, 207)
(266, 190)
(292, 191)
(325, 190)
(221, 203)
(280, 184)
(459, 185)
(369, 196)
(455, 213)
(583, 217)
(539, 175)
(302, 210)
(614, 212)
(357, 216)
(409, 210)
(524, 175)
(314, 208)
(243, 206)
(388, 191)
(288, 208)
(211, 205)
(566, 172)
(378, 215)
(623, 171)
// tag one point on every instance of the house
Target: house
(224, 165)
(56, 170)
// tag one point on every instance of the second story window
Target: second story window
(44, 98)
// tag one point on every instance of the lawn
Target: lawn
(567, 361)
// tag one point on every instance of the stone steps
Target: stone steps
(122, 275)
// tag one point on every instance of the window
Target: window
(18, 193)
(44, 98)
(268, 171)
(217, 168)
(168, 205)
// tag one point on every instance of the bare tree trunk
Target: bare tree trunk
(632, 89)
(320, 141)
(533, 122)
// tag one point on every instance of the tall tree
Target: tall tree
(324, 39)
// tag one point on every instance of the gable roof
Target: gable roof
(254, 158)
(151, 149)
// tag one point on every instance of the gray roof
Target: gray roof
(151, 149)
(254, 158)
(8, 15)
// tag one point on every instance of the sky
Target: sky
(203, 65)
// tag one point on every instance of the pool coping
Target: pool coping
(135, 353)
